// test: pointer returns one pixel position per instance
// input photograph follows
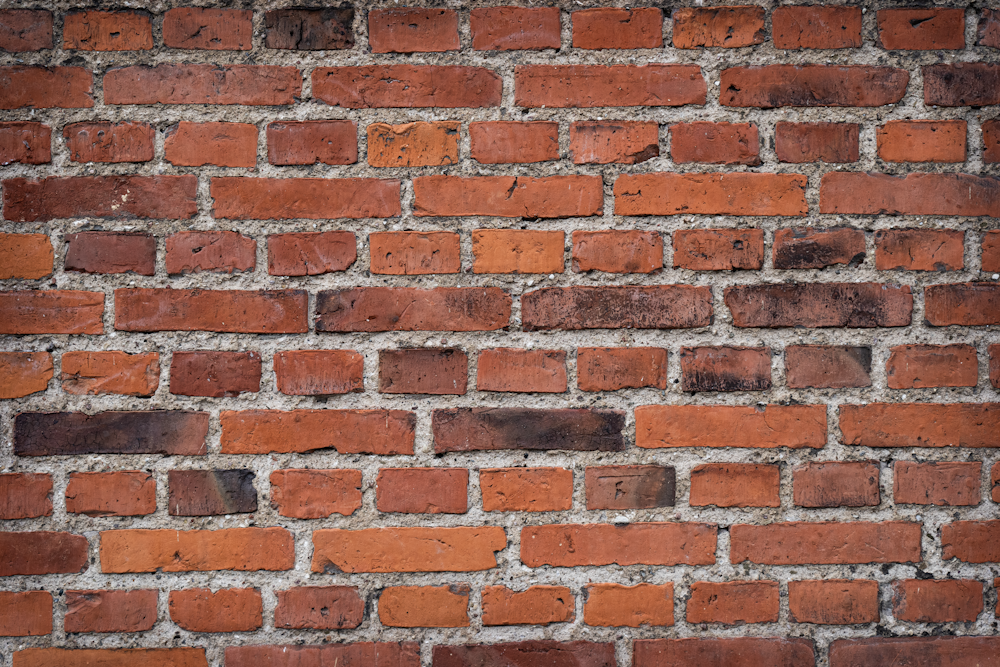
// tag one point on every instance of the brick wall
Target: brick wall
(485, 335)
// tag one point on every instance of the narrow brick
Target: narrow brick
(915, 650)
(166, 83)
(517, 251)
(631, 307)
(26, 495)
(715, 143)
(208, 29)
(310, 253)
(988, 33)
(519, 370)
(25, 142)
(611, 368)
(941, 601)
(309, 198)
(412, 30)
(614, 605)
(225, 610)
(536, 605)
(24, 373)
(613, 142)
(834, 143)
(936, 483)
(710, 194)
(921, 424)
(315, 494)
(811, 248)
(515, 28)
(920, 249)
(508, 196)
(733, 602)
(383, 432)
(922, 141)
(31, 30)
(586, 86)
(918, 29)
(312, 142)
(112, 657)
(220, 144)
(971, 541)
(25, 613)
(767, 427)
(966, 304)
(329, 28)
(814, 305)
(770, 86)
(319, 608)
(827, 366)
(319, 372)
(617, 251)
(726, 27)
(407, 86)
(828, 543)
(241, 549)
(912, 194)
(994, 368)
(718, 249)
(422, 490)
(164, 197)
(109, 142)
(526, 489)
(614, 28)
(423, 371)
(211, 492)
(56, 312)
(508, 142)
(107, 31)
(414, 253)
(165, 309)
(27, 87)
(410, 309)
(630, 544)
(111, 372)
(735, 485)
(216, 251)
(425, 606)
(914, 366)
(487, 429)
(111, 252)
(578, 654)
(836, 484)
(73, 433)
(419, 144)
(991, 138)
(833, 601)
(42, 552)
(110, 610)
(725, 369)
(629, 487)
(816, 27)
(119, 493)
(459, 549)
(214, 373)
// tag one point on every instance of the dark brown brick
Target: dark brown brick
(111, 252)
(812, 305)
(538, 652)
(772, 86)
(166, 197)
(214, 374)
(810, 248)
(478, 429)
(725, 368)
(654, 307)
(208, 29)
(827, 366)
(836, 484)
(42, 552)
(319, 608)
(741, 651)
(211, 492)
(422, 371)
(816, 142)
(69, 433)
(629, 487)
(309, 29)
(962, 84)
(31, 30)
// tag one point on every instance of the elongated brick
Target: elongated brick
(73, 433)
(461, 549)
(632, 544)
(383, 432)
(921, 424)
(478, 429)
(243, 549)
(770, 426)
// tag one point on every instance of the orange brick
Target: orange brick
(517, 251)
(537, 605)
(615, 605)
(425, 606)
(526, 489)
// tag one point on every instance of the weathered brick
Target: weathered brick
(214, 373)
(961, 84)
(407, 86)
(915, 650)
(211, 492)
(836, 484)
(913, 366)
(111, 252)
(827, 366)
(58, 312)
(167, 197)
(991, 139)
(742, 651)
(25, 613)
(769, 86)
(109, 142)
(391, 654)
(227, 252)
(614, 28)
(460, 549)
(526, 490)
(921, 424)
(310, 198)
(629, 307)
(726, 27)
(312, 141)
(988, 33)
(68, 433)
(425, 606)
(165, 309)
(242, 549)
(319, 372)
(25, 142)
(31, 30)
(919, 249)
(310, 253)
(419, 144)
(735, 485)
(508, 196)
(816, 142)
(225, 610)
(772, 426)
(966, 304)
(816, 27)
(718, 249)
(828, 543)
(733, 602)
(629, 487)
(422, 371)
(27, 87)
(315, 494)
(614, 605)
(383, 432)
(710, 194)
(42, 552)
(936, 483)
(575, 86)
(971, 541)
(120, 493)
(715, 143)
(324, 29)
(917, 29)
(411, 309)
(611, 368)
(811, 248)
(221, 144)
(994, 352)
(111, 372)
(833, 601)
(913, 194)
(941, 601)
(26, 495)
(112, 657)
(506, 142)
(536, 605)
(515, 28)
(725, 368)
(110, 611)
(412, 29)
(617, 251)
(487, 429)
(812, 305)
(319, 608)
(24, 373)
(571, 545)
(203, 84)
(536, 652)
(520, 370)
(107, 31)
(208, 29)
(422, 490)
(414, 253)
(517, 251)
(922, 141)
(610, 142)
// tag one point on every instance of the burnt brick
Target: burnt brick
(309, 29)
(211, 492)
(629, 487)
(725, 368)
(809, 248)
(69, 433)
(483, 429)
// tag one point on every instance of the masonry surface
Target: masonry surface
(489, 335)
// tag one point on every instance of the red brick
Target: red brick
(419, 144)
(27, 87)
(917, 29)
(617, 251)
(733, 602)
(827, 366)
(913, 194)
(995, 482)
(108, 31)
(414, 253)
(994, 352)
(51, 312)
(487, 429)
(31, 30)
(710, 194)
(536, 605)
(771, 86)
(562, 86)
(315, 494)
(613, 28)
(715, 143)
(138, 432)
(519, 370)
(310, 198)
(319, 608)
(614, 605)
(610, 142)
(412, 29)
(833, 601)
(988, 33)
(718, 249)
(967, 304)
(508, 196)
(391, 654)
(836, 484)
(517, 251)
(936, 483)
(122, 493)
(227, 252)
(814, 305)
(112, 657)
(165, 309)
(309, 29)
(629, 487)
(110, 611)
(319, 372)
(991, 139)
(725, 368)
(422, 371)
(571, 545)
(310, 253)
(42, 553)
(576, 653)
(111, 252)
(961, 84)
(811, 248)
(109, 142)
(506, 142)
(26, 143)
(726, 27)
(460, 549)
(111, 372)
(384, 432)
(735, 485)
(26, 495)
(24, 373)
(829, 543)
(912, 366)
(214, 373)
(221, 144)
(737, 652)
(919, 249)
(411, 309)
(167, 197)
(526, 490)
(312, 141)
(942, 601)
(204, 29)
(816, 142)
(816, 27)
(628, 307)
(422, 490)
(241, 549)
(515, 28)
(922, 141)
(915, 651)
(407, 86)
(767, 427)
(25, 614)
(971, 541)
(921, 424)
(226, 610)
(203, 84)
(425, 606)
(611, 368)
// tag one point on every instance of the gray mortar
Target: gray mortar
(509, 571)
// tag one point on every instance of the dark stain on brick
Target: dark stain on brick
(476, 429)
(69, 433)
(309, 29)
(211, 492)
